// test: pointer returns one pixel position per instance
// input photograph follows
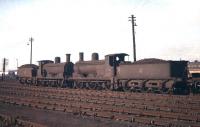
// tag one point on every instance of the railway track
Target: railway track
(140, 108)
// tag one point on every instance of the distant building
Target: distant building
(194, 68)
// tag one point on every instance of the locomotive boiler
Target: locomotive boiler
(93, 74)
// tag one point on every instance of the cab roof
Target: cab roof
(118, 54)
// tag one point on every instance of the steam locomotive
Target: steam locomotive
(111, 73)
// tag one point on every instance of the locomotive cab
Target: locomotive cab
(115, 59)
(42, 72)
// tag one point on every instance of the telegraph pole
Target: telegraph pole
(17, 63)
(4, 68)
(5, 63)
(31, 40)
(132, 19)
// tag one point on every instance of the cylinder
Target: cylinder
(68, 58)
(57, 60)
(81, 56)
(95, 56)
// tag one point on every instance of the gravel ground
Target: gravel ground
(57, 119)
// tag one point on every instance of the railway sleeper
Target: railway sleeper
(108, 115)
(160, 108)
(175, 116)
(59, 108)
(107, 108)
(124, 110)
(124, 117)
(142, 120)
(151, 121)
(154, 114)
(87, 106)
(68, 110)
(90, 113)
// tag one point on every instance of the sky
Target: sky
(166, 29)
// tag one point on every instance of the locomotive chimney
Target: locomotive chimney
(81, 56)
(68, 58)
(95, 56)
(57, 60)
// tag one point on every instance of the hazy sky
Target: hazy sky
(167, 29)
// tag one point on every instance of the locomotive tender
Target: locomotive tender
(112, 73)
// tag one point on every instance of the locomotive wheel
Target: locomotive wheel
(180, 88)
(54, 83)
(196, 87)
(98, 87)
(165, 90)
(48, 83)
(70, 84)
(27, 82)
(79, 85)
(128, 86)
(74, 85)
(31, 82)
(45, 83)
(106, 86)
(21, 81)
(59, 82)
(92, 86)
(34, 82)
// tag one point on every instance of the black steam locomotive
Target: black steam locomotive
(112, 73)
